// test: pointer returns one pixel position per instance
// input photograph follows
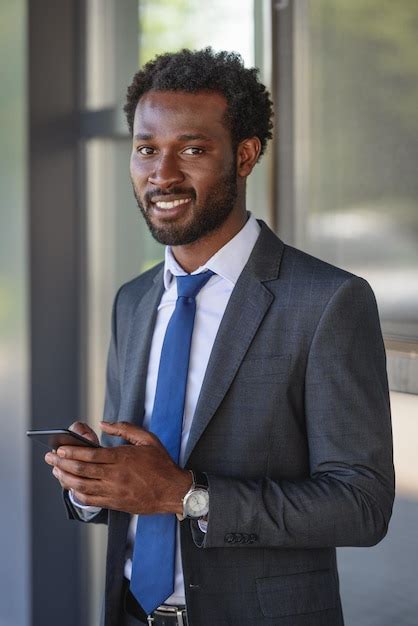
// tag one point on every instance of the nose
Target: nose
(166, 173)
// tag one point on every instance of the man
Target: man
(255, 365)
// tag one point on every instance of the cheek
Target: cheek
(133, 168)
(211, 186)
(139, 171)
(208, 177)
(205, 180)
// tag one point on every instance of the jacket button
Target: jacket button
(229, 538)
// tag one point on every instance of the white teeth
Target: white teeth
(171, 205)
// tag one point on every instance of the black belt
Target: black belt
(165, 615)
(168, 616)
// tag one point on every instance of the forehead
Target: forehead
(179, 112)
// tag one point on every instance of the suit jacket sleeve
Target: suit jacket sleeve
(347, 498)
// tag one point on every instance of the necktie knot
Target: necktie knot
(188, 286)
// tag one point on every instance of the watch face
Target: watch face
(197, 503)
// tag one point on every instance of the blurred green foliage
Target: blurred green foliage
(169, 25)
(13, 155)
(163, 27)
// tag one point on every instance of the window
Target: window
(168, 25)
(355, 145)
(119, 38)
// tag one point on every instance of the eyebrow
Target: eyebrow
(192, 137)
(143, 136)
(185, 137)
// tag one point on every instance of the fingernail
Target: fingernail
(61, 452)
(55, 471)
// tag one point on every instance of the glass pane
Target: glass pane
(118, 244)
(357, 145)
(167, 25)
(15, 452)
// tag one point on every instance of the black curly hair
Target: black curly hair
(250, 109)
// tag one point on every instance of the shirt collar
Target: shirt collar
(228, 262)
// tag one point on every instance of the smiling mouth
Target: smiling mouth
(172, 204)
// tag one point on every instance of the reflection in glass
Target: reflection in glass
(359, 128)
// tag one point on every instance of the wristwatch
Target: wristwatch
(196, 500)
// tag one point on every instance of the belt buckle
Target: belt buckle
(169, 610)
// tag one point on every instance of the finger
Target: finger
(57, 476)
(88, 455)
(87, 486)
(80, 468)
(81, 428)
(134, 434)
(84, 430)
(102, 502)
(50, 458)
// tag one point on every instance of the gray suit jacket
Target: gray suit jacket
(292, 427)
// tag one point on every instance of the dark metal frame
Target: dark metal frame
(59, 585)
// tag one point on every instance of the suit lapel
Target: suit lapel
(138, 349)
(249, 303)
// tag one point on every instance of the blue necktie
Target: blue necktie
(152, 580)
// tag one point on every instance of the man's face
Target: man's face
(183, 167)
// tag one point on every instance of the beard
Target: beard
(218, 204)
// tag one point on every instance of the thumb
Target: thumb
(133, 434)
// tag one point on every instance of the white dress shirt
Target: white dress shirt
(211, 301)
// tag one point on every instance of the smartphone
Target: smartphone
(53, 439)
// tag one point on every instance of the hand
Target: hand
(138, 478)
(85, 431)
(80, 428)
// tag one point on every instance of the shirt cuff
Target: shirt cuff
(85, 512)
(203, 525)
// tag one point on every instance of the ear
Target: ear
(247, 155)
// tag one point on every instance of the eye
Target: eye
(145, 150)
(193, 150)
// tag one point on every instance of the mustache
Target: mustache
(173, 191)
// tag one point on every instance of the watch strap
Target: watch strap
(200, 480)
